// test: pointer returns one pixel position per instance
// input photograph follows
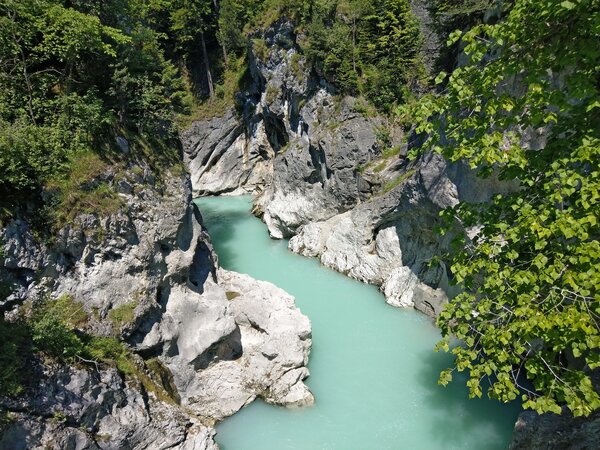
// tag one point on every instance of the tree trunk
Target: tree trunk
(224, 54)
(211, 87)
(217, 9)
(354, 43)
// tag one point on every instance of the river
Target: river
(373, 368)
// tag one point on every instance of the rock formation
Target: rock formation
(552, 431)
(220, 339)
(324, 175)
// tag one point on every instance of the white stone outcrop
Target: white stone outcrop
(264, 356)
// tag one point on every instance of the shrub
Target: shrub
(14, 351)
(55, 339)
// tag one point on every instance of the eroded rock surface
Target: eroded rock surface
(295, 144)
(334, 178)
(553, 432)
(82, 409)
(264, 355)
(221, 339)
(390, 241)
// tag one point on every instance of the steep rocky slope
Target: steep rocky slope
(333, 175)
(212, 340)
(290, 137)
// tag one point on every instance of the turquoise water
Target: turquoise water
(373, 368)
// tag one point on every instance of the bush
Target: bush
(73, 77)
(52, 337)
(122, 314)
(52, 326)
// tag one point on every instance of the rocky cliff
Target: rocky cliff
(332, 175)
(205, 341)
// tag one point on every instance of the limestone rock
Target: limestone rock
(389, 240)
(554, 432)
(295, 144)
(264, 356)
(80, 409)
(225, 337)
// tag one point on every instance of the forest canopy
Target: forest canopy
(72, 74)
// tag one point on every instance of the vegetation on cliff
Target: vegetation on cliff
(56, 332)
(526, 105)
(73, 75)
(76, 74)
(360, 46)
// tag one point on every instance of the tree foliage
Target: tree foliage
(366, 47)
(359, 46)
(72, 74)
(526, 105)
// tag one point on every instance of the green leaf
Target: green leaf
(440, 78)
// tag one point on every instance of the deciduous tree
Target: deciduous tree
(526, 105)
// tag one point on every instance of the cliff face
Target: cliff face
(331, 174)
(551, 431)
(216, 339)
(291, 140)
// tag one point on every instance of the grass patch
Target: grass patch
(101, 200)
(271, 94)
(123, 314)
(66, 310)
(383, 136)
(231, 295)
(391, 151)
(397, 181)
(363, 107)
(160, 155)
(267, 16)
(109, 351)
(379, 167)
(76, 193)
(260, 49)
(361, 168)
(285, 148)
(233, 81)
(162, 377)
(296, 67)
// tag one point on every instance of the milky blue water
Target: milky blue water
(373, 368)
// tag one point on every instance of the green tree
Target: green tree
(233, 16)
(391, 42)
(365, 47)
(526, 106)
(190, 21)
(71, 74)
(47, 111)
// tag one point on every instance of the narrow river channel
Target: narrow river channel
(373, 368)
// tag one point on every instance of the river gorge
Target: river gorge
(373, 368)
(245, 224)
